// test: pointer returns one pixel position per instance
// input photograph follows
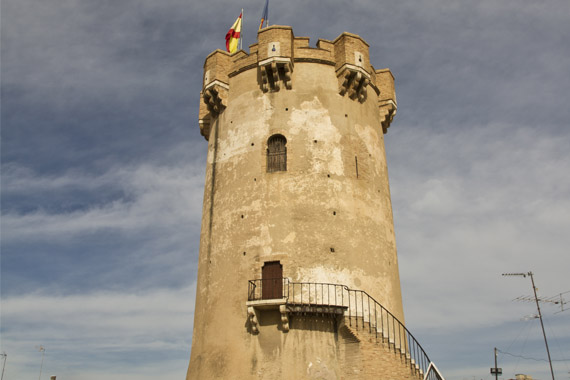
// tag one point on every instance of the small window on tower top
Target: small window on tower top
(276, 154)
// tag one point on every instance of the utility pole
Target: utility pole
(4, 364)
(496, 371)
(541, 324)
(530, 274)
(42, 350)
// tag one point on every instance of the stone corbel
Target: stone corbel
(387, 112)
(205, 127)
(274, 71)
(253, 319)
(353, 80)
(284, 317)
(215, 96)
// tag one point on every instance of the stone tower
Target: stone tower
(298, 273)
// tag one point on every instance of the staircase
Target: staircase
(372, 339)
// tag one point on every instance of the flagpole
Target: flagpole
(241, 32)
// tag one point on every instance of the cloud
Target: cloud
(80, 332)
(471, 204)
(129, 227)
(173, 195)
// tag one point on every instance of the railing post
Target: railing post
(293, 292)
(356, 304)
(375, 321)
(369, 320)
(362, 302)
(393, 331)
(349, 308)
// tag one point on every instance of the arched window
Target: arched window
(276, 154)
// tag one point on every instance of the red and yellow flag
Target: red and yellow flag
(233, 36)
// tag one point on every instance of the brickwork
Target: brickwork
(347, 49)
(364, 355)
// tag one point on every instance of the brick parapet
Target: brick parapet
(275, 55)
(346, 49)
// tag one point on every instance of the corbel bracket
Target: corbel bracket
(353, 80)
(205, 126)
(284, 317)
(253, 319)
(388, 110)
(275, 70)
(215, 96)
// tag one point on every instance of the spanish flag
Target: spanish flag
(265, 15)
(233, 36)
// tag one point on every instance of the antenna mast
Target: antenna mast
(539, 314)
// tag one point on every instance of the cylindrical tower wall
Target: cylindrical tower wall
(327, 218)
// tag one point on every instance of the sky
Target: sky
(102, 174)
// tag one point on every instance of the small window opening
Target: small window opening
(276, 154)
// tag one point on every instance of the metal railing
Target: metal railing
(361, 310)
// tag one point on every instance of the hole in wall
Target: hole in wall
(286, 109)
(334, 212)
(345, 115)
(242, 216)
(328, 175)
(315, 141)
(244, 253)
(255, 179)
(252, 144)
(332, 249)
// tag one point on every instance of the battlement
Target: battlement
(275, 55)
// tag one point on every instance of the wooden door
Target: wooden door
(272, 280)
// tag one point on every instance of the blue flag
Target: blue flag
(265, 15)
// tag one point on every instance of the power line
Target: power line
(527, 358)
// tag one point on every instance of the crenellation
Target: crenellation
(316, 55)
(217, 67)
(326, 45)
(301, 42)
(275, 41)
(351, 49)
(275, 54)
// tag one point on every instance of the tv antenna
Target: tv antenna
(554, 300)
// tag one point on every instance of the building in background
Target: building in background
(298, 273)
